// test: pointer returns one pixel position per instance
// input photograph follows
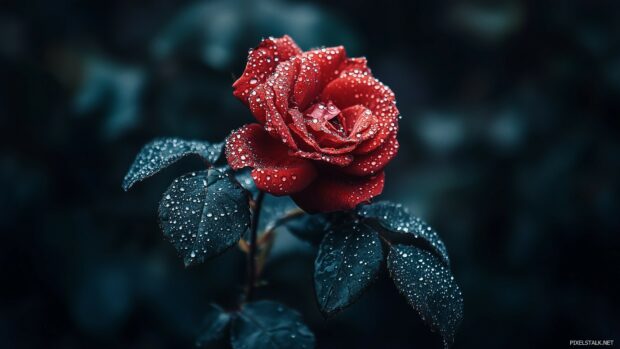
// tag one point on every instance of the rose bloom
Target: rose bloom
(326, 127)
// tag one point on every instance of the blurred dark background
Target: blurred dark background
(510, 149)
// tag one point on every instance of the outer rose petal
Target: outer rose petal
(316, 69)
(274, 171)
(371, 163)
(276, 126)
(269, 102)
(333, 192)
(262, 61)
(257, 100)
(282, 82)
(353, 64)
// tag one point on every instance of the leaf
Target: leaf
(270, 325)
(397, 219)
(204, 213)
(274, 208)
(309, 227)
(349, 259)
(161, 153)
(244, 178)
(214, 328)
(429, 287)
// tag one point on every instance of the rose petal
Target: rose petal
(298, 126)
(269, 103)
(257, 102)
(358, 122)
(329, 193)
(276, 126)
(333, 159)
(276, 88)
(371, 163)
(328, 136)
(384, 129)
(323, 112)
(262, 61)
(274, 170)
(316, 70)
(262, 105)
(351, 89)
(356, 65)
(282, 84)
(299, 129)
(283, 181)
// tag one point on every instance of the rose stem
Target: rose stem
(249, 291)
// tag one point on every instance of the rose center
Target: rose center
(322, 111)
(326, 114)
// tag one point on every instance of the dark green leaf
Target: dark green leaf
(274, 208)
(161, 153)
(204, 213)
(349, 259)
(309, 227)
(270, 325)
(214, 327)
(245, 179)
(397, 220)
(429, 288)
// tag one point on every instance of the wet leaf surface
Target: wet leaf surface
(245, 179)
(309, 227)
(397, 220)
(429, 288)
(204, 213)
(214, 329)
(274, 208)
(161, 153)
(348, 261)
(270, 325)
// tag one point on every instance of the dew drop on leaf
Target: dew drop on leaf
(429, 287)
(270, 325)
(348, 261)
(204, 213)
(161, 153)
(397, 220)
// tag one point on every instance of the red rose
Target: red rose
(326, 127)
